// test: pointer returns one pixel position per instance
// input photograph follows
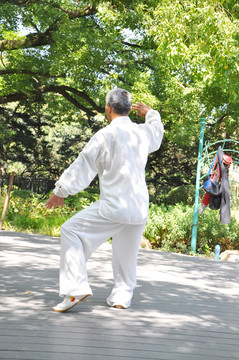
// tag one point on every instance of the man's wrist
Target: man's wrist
(60, 191)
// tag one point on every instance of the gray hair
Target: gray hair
(119, 100)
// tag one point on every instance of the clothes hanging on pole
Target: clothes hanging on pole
(220, 174)
(225, 211)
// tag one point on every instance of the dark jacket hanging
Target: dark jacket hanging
(225, 212)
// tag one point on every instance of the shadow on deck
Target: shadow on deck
(184, 308)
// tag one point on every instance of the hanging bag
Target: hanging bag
(211, 186)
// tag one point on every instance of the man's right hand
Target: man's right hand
(54, 201)
(141, 108)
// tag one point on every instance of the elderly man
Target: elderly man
(118, 154)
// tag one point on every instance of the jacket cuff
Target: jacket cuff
(60, 190)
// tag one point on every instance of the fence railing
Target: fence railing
(38, 185)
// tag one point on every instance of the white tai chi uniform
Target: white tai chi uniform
(118, 154)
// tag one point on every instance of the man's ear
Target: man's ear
(108, 110)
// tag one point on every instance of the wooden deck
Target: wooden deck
(184, 308)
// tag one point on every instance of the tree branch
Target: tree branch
(83, 95)
(89, 10)
(217, 120)
(62, 90)
(222, 117)
(41, 39)
(13, 98)
(26, 72)
(29, 41)
(9, 114)
(119, 77)
(133, 45)
(75, 102)
(124, 64)
(20, 2)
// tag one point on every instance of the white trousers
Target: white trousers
(81, 235)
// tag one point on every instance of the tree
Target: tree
(199, 66)
(22, 141)
(62, 56)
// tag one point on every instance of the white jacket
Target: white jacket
(118, 153)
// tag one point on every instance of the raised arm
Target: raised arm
(153, 125)
(141, 108)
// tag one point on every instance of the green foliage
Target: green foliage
(167, 228)
(212, 232)
(181, 194)
(197, 47)
(60, 57)
(23, 141)
(27, 212)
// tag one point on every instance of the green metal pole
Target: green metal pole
(195, 213)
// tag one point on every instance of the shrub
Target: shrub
(169, 229)
(184, 194)
(212, 232)
(27, 212)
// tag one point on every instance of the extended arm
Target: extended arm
(79, 174)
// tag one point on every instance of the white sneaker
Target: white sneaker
(68, 303)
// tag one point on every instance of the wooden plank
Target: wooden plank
(70, 342)
(31, 355)
(114, 349)
(184, 308)
(153, 336)
(224, 340)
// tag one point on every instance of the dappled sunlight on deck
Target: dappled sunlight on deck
(184, 308)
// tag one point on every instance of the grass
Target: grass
(168, 227)
(27, 212)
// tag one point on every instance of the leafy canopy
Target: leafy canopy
(181, 57)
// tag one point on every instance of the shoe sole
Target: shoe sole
(72, 305)
(119, 307)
